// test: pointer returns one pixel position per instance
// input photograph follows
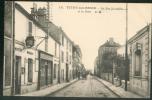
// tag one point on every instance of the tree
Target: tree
(107, 61)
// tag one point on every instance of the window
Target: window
(7, 62)
(67, 56)
(63, 73)
(67, 44)
(62, 40)
(55, 48)
(8, 19)
(62, 56)
(70, 47)
(70, 59)
(30, 70)
(54, 70)
(30, 28)
(138, 64)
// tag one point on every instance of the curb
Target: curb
(61, 88)
(108, 88)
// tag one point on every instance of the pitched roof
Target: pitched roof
(139, 33)
(108, 44)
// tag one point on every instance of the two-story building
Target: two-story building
(106, 55)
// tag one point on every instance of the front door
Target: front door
(67, 72)
(46, 74)
(17, 75)
(50, 69)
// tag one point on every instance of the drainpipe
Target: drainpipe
(59, 67)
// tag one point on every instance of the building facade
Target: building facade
(8, 48)
(106, 55)
(140, 61)
(37, 53)
(35, 66)
(66, 58)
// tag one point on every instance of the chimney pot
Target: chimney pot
(111, 39)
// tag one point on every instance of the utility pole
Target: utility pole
(13, 47)
(126, 49)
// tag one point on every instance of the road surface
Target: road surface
(85, 88)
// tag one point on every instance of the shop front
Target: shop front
(45, 70)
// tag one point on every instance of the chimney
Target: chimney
(34, 11)
(111, 39)
(41, 13)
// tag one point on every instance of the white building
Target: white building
(66, 57)
(35, 67)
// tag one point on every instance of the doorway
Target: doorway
(17, 75)
(50, 72)
(67, 73)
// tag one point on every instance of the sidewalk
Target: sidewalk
(49, 90)
(118, 90)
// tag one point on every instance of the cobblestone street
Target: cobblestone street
(85, 88)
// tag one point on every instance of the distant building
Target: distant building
(106, 53)
(77, 60)
(140, 61)
(96, 67)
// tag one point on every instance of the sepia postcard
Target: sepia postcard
(77, 49)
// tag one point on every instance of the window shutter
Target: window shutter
(30, 28)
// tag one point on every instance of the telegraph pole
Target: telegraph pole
(126, 49)
(13, 51)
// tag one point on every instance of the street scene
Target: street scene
(89, 87)
(76, 49)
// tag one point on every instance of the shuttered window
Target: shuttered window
(30, 28)
(30, 70)
(54, 70)
(138, 64)
(7, 61)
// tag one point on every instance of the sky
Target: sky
(90, 28)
